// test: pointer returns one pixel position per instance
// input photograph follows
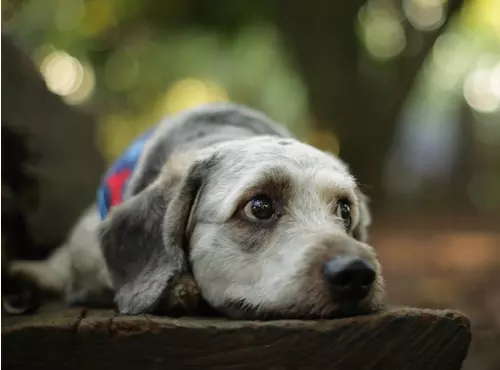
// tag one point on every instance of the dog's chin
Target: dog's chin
(243, 311)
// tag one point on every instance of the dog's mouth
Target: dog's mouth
(242, 310)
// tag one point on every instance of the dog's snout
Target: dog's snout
(349, 278)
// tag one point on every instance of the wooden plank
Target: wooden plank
(32, 342)
(401, 339)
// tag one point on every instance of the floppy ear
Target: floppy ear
(142, 239)
(360, 232)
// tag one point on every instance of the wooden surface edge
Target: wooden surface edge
(400, 338)
(78, 317)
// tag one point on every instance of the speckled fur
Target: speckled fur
(179, 235)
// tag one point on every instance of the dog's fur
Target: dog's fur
(182, 217)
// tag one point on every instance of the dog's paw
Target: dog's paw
(183, 297)
(20, 295)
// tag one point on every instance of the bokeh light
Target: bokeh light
(382, 32)
(451, 61)
(62, 72)
(67, 77)
(190, 92)
(431, 116)
(98, 16)
(85, 89)
(425, 15)
(482, 15)
(479, 93)
(495, 81)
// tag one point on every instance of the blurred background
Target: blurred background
(405, 91)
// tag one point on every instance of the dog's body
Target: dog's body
(226, 195)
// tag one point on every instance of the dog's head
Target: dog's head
(269, 227)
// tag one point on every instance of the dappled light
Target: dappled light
(479, 91)
(425, 15)
(450, 69)
(382, 31)
(495, 80)
(406, 92)
(191, 92)
(68, 77)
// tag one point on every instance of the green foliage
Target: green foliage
(137, 50)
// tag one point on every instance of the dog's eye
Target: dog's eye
(259, 208)
(344, 211)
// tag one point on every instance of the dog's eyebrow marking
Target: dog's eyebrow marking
(332, 186)
(273, 181)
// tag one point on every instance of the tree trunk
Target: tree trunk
(68, 165)
(349, 94)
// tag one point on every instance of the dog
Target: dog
(225, 206)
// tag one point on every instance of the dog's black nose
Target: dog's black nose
(349, 278)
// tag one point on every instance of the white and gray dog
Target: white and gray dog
(224, 207)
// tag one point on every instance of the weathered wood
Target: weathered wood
(75, 339)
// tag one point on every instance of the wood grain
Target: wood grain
(399, 339)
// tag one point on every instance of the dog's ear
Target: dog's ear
(360, 232)
(142, 239)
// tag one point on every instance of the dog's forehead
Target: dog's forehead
(287, 162)
(274, 150)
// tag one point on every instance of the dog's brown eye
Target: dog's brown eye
(344, 211)
(259, 208)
